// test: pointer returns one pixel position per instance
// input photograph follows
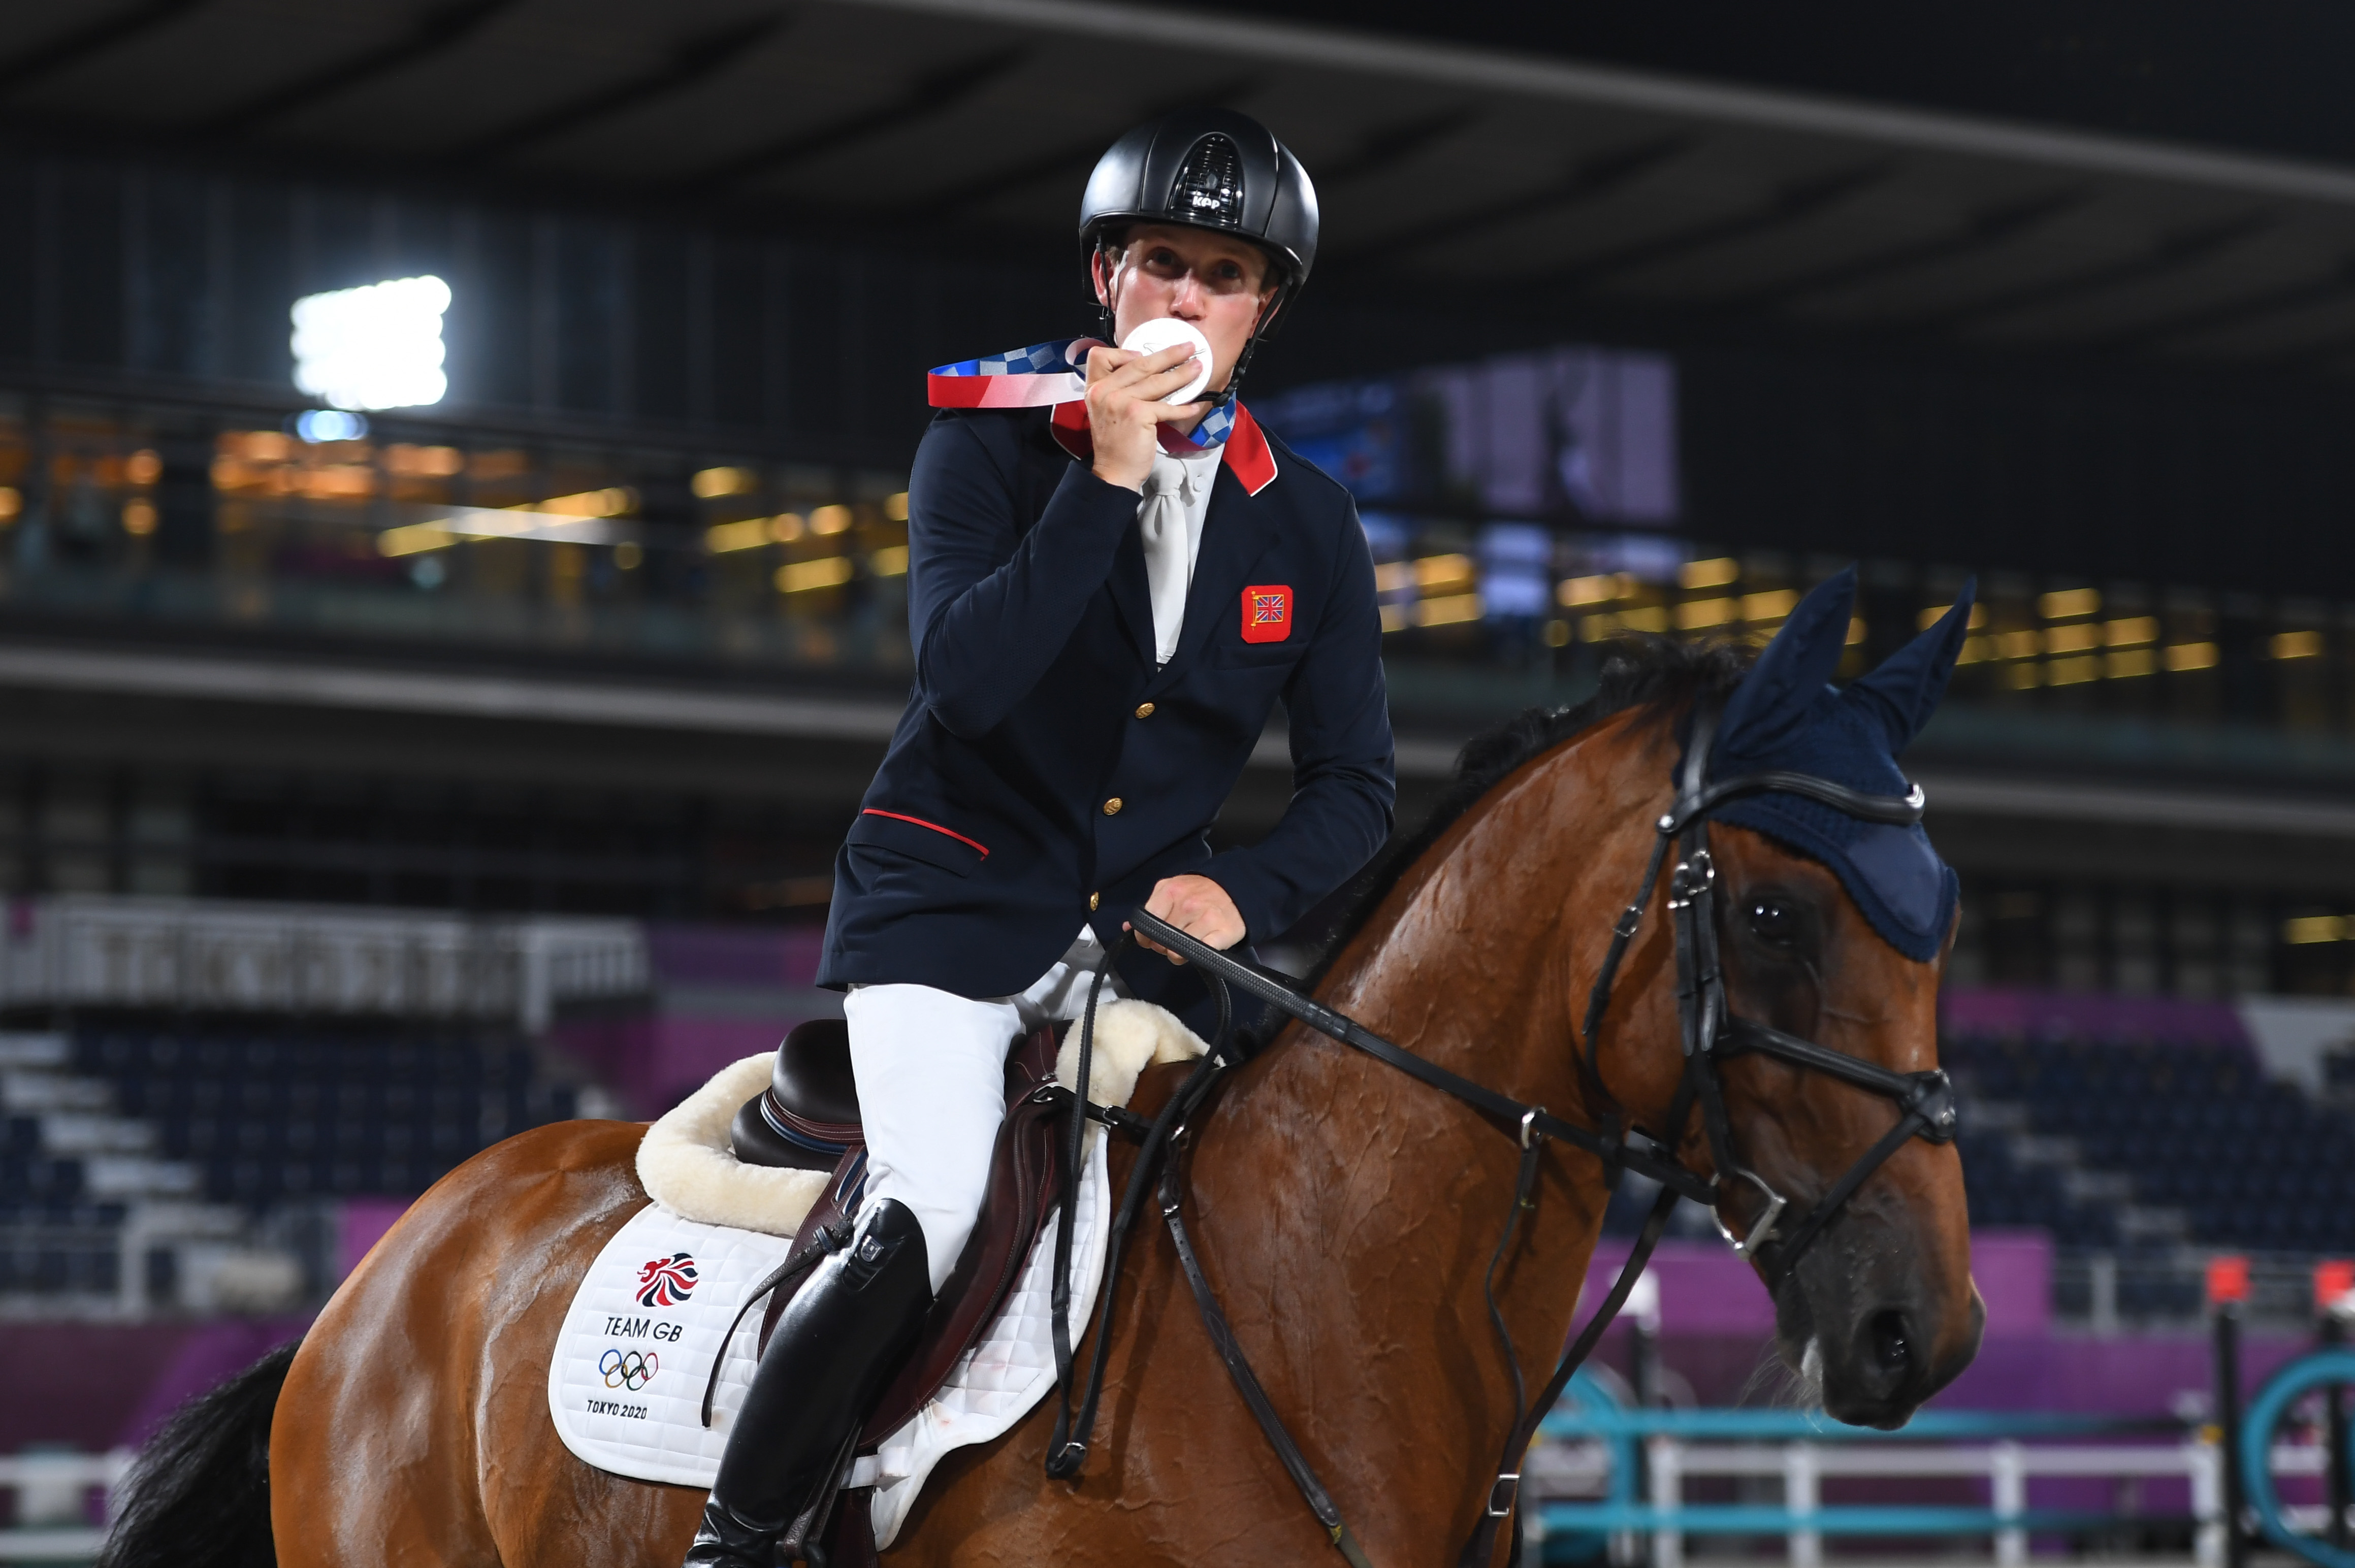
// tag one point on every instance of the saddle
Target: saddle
(808, 1119)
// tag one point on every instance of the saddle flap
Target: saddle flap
(1025, 1185)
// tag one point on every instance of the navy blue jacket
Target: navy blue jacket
(1045, 770)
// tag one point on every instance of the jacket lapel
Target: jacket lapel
(1235, 534)
(1236, 531)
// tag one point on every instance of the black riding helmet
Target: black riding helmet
(1215, 169)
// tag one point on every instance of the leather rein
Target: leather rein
(1710, 1031)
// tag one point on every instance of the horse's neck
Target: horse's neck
(1480, 957)
(1359, 1206)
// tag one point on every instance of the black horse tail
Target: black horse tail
(199, 1495)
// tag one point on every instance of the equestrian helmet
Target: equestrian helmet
(1208, 168)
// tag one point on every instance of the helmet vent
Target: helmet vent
(1210, 189)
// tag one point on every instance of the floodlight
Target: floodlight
(373, 347)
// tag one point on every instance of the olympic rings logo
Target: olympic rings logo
(628, 1369)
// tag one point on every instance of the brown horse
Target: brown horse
(1343, 1211)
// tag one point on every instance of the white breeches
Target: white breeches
(931, 1069)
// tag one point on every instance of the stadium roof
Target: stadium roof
(1448, 157)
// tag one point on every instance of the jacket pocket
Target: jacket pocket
(918, 838)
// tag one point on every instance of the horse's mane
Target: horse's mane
(1650, 672)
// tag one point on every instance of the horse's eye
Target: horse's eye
(1774, 921)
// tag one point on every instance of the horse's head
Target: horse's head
(1880, 1308)
(1830, 927)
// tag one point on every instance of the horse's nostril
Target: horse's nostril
(1890, 1350)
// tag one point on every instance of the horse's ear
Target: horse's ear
(1905, 690)
(1781, 688)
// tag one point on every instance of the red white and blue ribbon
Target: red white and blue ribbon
(1020, 379)
(1047, 373)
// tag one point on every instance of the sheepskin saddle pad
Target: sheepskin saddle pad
(627, 1381)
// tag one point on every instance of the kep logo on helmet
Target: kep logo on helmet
(1211, 182)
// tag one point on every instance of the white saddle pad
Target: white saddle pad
(625, 1385)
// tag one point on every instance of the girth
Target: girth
(1709, 1034)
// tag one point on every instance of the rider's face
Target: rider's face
(1218, 285)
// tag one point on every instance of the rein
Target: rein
(1709, 1032)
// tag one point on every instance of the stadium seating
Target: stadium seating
(57, 1248)
(2246, 1160)
(131, 1142)
(2148, 1154)
(271, 1115)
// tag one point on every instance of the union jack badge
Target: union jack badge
(1267, 613)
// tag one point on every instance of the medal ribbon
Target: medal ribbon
(1048, 373)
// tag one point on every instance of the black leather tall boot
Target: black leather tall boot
(839, 1341)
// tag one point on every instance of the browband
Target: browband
(1901, 811)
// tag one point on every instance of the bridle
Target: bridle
(1709, 1032)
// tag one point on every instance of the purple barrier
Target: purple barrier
(2155, 1375)
(1717, 1329)
(653, 1061)
(2129, 1375)
(360, 1223)
(2002, 1010)
(209, 1354)
(1706, 1290)
(93, 1385)
(734, 956)
(722, 993)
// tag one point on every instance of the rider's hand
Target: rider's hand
(1126, 411)
(1196, 906)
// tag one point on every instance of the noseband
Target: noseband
(1710, 1033)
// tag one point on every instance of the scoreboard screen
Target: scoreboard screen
(1569, 434)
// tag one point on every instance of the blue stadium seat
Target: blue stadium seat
(267, 1114)
(2251, 1160)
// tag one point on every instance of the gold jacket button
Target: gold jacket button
(1112, 807)
(1094, 900)
(1145, 710)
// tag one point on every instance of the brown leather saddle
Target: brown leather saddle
(808, 1119)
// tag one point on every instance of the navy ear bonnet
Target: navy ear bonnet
(1786, 714)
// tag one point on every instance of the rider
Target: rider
(1106, 599)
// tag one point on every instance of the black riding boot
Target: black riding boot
(841, 1338)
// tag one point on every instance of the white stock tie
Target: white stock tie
(1163, 522)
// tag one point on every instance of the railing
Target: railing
(1803, 1449)
(120, 951)
(2115, 1292)
(123, 1262)
(52, 1494)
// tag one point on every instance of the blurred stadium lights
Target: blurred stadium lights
(547, 524)
(378, 346)
(316, 425)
